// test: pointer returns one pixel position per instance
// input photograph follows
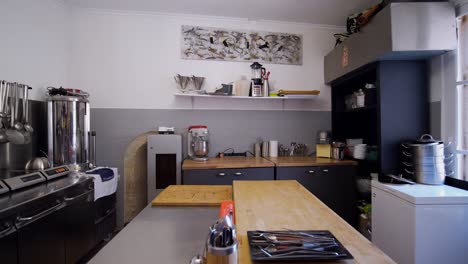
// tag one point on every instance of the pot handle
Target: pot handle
(448, 144)
(450, 162)
(409, 172)
(405, 146)
(426, 138)
(449, 157)
(407, 164)
(407, 154)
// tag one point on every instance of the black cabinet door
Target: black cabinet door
(80, 229)
(338, 190)
(226, 176)
(309, 177)
(333, 185)
(8, 243)
(43, 241)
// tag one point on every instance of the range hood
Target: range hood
(400, 31)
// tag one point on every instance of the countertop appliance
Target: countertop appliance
(198, 142)
(164, 163)
(256, 83)
(69, 134)
(420, 223)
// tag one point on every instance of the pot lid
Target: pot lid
(426, 140)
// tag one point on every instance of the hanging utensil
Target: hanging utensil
(4, 110)
(24, 131)
(2, 90)
(13, 134)
(3, 99)
(26, 124)
(17, 124)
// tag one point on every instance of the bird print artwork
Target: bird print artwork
(205, 43)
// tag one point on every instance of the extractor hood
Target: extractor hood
(400, 31)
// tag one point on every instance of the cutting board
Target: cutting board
(193, 195)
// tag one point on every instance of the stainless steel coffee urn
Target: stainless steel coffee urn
(70, 140)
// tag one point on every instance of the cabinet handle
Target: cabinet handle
(311, 172)
(69, 199)
(221, 174)
(325, 170)
(8, 228)
(238, 173)
(41, 214)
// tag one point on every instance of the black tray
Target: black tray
(344, 254)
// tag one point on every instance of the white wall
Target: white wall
(34, 43)
(128, 60)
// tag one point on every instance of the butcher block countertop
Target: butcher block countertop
(193, 195)
(227, 163)
(281, 205)
(308, 161)
(253, 162)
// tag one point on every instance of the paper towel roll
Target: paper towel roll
(273, 148)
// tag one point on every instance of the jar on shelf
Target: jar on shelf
(360, 98)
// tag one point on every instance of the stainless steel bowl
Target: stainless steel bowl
(200, 148)
(36, 164)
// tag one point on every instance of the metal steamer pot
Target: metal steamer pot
(428, 160)
(426, 146)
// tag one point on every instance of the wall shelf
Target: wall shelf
(308, 97)
(359, 109)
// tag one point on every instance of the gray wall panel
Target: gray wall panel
(238, 129)
(435, 111)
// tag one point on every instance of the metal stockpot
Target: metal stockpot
(431, 177)
(426, 146)
(68, 130)
(428, 160)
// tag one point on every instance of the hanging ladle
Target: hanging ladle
(3, 99)
(3, 110)
(17, 124)
(26, 124)
(14, 134)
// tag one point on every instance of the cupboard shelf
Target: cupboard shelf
(360, 109)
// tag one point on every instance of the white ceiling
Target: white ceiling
(326, 12)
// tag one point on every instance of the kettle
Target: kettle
(38, 163)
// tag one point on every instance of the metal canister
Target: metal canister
(68, 130)
(338, 150)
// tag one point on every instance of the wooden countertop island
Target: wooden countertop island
(280, 205)
(174, 234)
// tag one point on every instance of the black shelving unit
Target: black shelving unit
(400, 111)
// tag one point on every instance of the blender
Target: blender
(256, 83)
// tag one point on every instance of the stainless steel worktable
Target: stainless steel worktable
(160, 235)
